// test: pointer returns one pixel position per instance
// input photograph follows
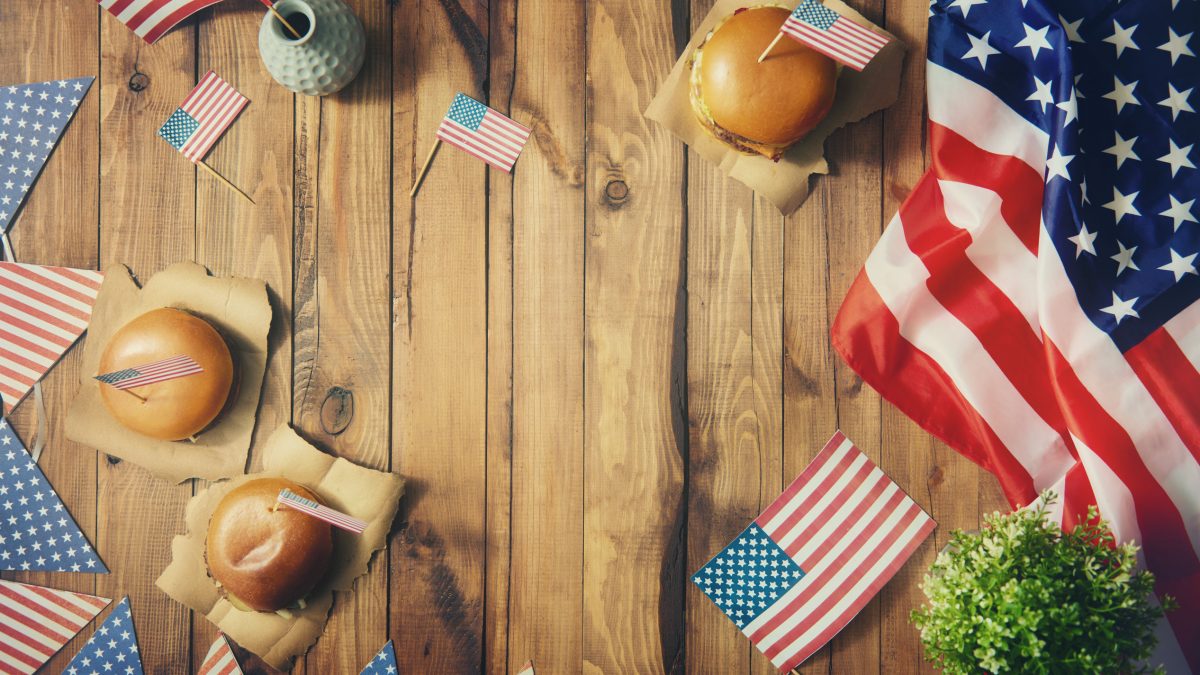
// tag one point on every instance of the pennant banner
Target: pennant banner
(112, 648)
(384, 662)
(151, 19)
(220, 659)
(37, 622)
(36, 532)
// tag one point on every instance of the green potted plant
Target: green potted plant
(1022, 596)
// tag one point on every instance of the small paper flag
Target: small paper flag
(43, 311)
(35, 622)
(151, 19)
(36, 532)
(220, 659)
(150, 373)
(321, 512)
(112, 648)
(483, 132)
(824, 30)
(384, 662)
(32, 120)
(198, 123)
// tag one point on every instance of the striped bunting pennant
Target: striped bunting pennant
(220, 659)
(35, 622)
(527, 669)
(321, 512)
(43, 311)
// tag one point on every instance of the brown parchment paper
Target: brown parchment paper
(364, 493)
(239, 309)
(785, 182)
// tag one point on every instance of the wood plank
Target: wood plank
(440, 340)
(635, 430)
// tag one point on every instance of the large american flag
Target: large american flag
(35, 622)
(833, 35)
(817, 555)
(151, 19)
(203, 116)
(1033, 303)
(483, 132)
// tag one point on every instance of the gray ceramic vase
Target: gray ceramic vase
(328, 54)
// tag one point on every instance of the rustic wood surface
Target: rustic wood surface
(593, 372)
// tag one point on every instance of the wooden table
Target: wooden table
(593, 373)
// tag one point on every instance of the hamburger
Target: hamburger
(175, 409)
(265, 557)
(759, 108)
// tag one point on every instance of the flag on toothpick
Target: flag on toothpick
(203, 116)
(35, 622)
(32, 120)
(817, 555)
(37, 534)
(151, 19)
(220, 659)
(159, 371)
(384, 662)
(321, 512)
(112, 648)
(483, 132)
(832, 34)
(43, 311)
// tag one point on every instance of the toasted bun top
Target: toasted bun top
(174, 409)
(775, 102)
(263, 555)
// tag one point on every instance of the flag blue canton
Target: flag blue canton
(748, 576)
(815, 14)
(1112, 86)
(32, 119)
(384, 662)
(467, 112)
(178, 128)
(36, 532)
(112, 649)
(119, 376)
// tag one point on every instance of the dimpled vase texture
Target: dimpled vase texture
(328, 54)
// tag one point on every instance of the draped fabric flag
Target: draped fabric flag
(43, 311)
(113, 648)
(1033, 303)
(832, 34)
(817, 555)
(35, 622)
(37, 534)
(220, 659)
(151, 19)
(203, 117)
(384, 662)
(32, 120)
(483, 132)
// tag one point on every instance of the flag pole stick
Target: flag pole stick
(283, 20)
(140, 398)
(224, 180)
(424, 169)
(770, 47)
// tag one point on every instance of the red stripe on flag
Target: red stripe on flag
(47, 280)
(1173, 383)
(823, 457)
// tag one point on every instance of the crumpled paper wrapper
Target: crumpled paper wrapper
(785, 182)
(239, 308)
(370, 495)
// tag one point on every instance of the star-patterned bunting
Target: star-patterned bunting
(384, 662)
(36, 532)
(112, 649)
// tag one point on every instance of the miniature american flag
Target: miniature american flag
(384, 662)
(159, 371)
(43, 311)
(35, 622)
(817, 555)
(321, 512)
(220, 659)
(151, 19)
(483, 132)
(203, 116)
(832, 34)
(112, 649)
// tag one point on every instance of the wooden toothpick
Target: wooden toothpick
(137, 396)
(282, 20)
(424, 169)
(770, 47)
(224, 180)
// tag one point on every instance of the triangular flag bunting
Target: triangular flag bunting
(36, 532)
(32, 119)
(526, 669)
(151, 19)
(38, 622)
(112, 648)
(43, 311)
(384, 662)
(220, 659)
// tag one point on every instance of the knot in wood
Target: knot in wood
(616, 191)
(337, 411)
(139, 81)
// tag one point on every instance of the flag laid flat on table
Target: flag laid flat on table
(817, 555)
(159, 371)
(43, 311)
(220, 659)
(37, 534)
(112, 648)
(203, 116)
(483, 132)
(832, 34)
(384, 662)
(35, 622)
(151, 19)
(1033, 303)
